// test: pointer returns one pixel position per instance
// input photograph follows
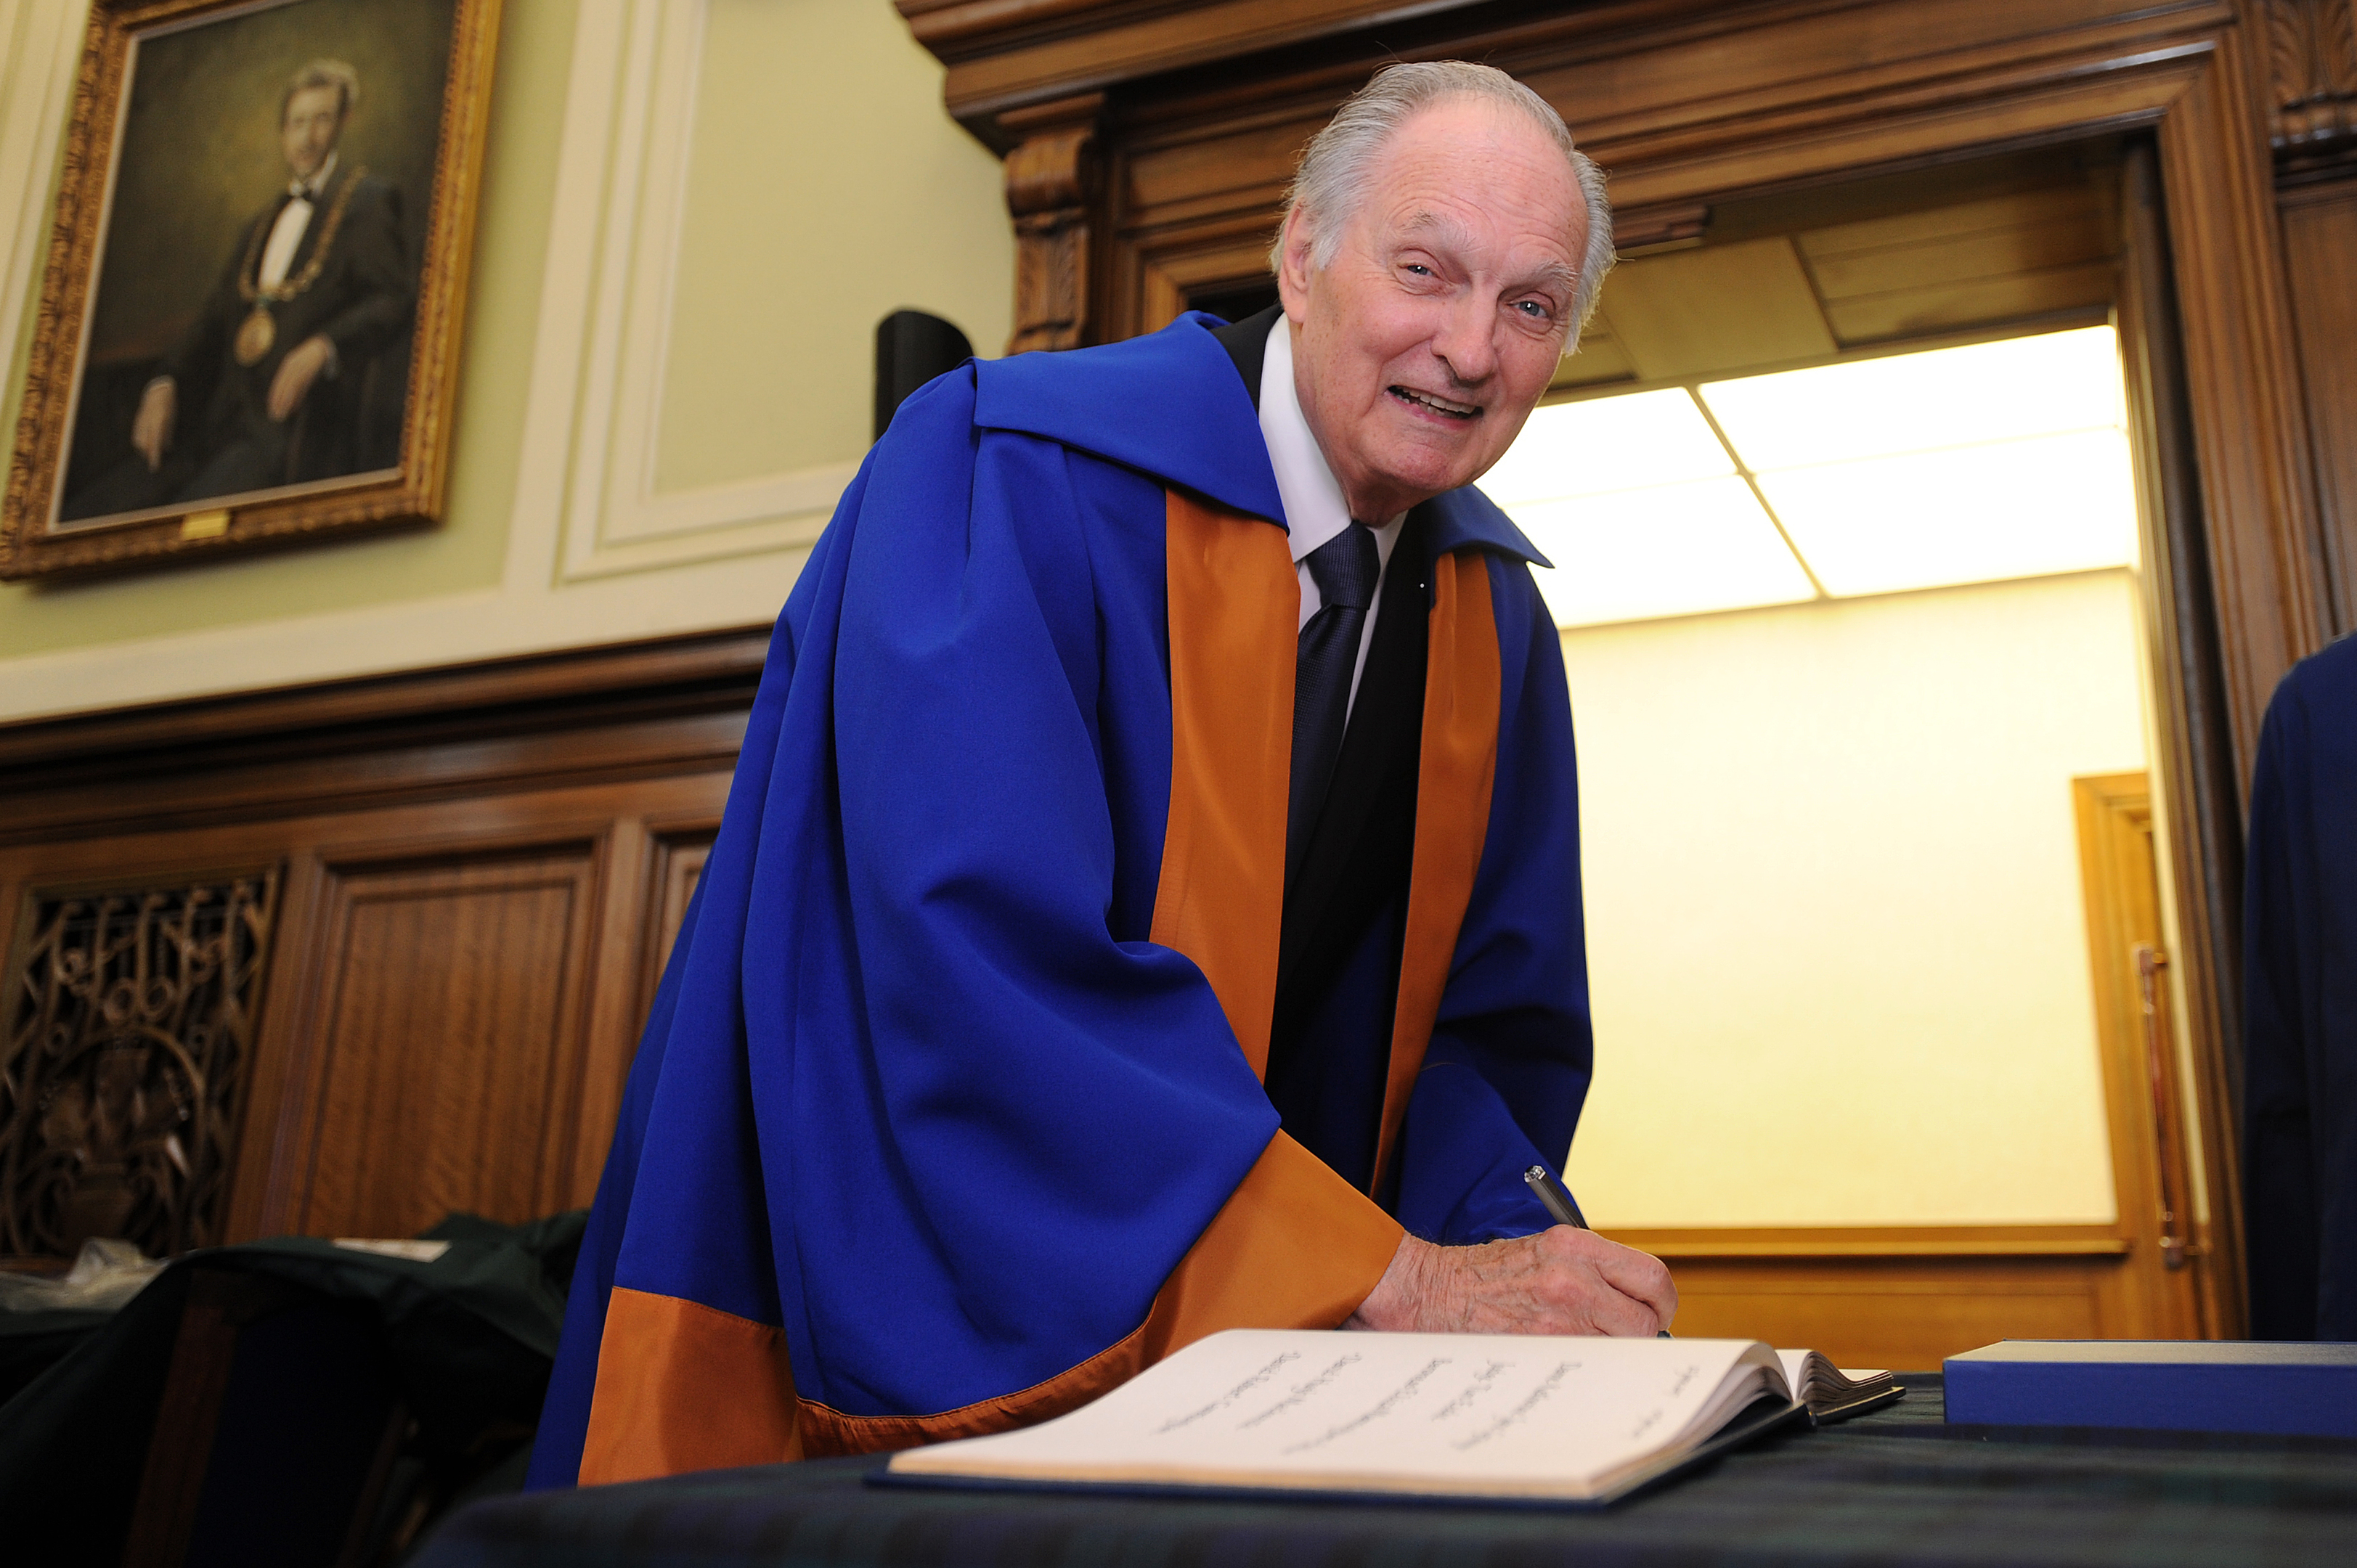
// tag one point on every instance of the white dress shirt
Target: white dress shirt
(1314, 508)
(294, 222)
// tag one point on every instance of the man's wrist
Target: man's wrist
(1402, 1299)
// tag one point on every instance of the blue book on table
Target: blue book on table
(2176, 1385)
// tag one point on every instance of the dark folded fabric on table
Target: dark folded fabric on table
(33, 1342)
(468, 1337)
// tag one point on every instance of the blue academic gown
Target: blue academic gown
(2299, 1091)
(948, 1113)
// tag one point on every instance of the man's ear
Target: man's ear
(1293, 265)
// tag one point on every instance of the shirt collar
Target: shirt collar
(1315, 510)
(309, 190)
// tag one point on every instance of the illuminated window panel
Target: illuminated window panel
(1912, 403)
(2014, 509)
(1663, 551)
(1607, 443)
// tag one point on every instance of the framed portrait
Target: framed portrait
(248, 333)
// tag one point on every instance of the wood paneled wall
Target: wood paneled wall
(479, 872)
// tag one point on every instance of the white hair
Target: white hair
(332, 73)
(1331, 179)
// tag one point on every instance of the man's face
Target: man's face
(315, 117)
(1422, 347)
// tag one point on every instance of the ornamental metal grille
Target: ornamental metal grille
(130, 1020)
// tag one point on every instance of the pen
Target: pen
(1552, 1193)
(1557, 1199)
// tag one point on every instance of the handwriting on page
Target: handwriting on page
(1342, 1399)
(1659, 1413)
(1230, 1398)
(1521, 1412)
(1382, 1408)
(1486, 1410)
(1483, 1382)
(1302, 1392)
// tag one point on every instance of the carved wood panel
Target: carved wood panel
(450, 998)
(2319, 245)
(130, 1032)
(1051, 178)
(2312, 60)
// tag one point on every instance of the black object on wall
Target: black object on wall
(911, 349)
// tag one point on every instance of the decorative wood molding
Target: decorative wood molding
(1151, 282)
(2250, 423)
(1005, 55)
(593, 420)
(1868, 1241)
(2312, 59)
(1639, 229)
(2320, 228)
(2194, 761)
(1052, 187)
(421, 735)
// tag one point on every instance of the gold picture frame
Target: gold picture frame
(307, 359)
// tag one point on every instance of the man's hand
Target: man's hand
(296, 372)
(1561, 1281)
(151, 427)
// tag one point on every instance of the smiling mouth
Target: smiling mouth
(1439, 405)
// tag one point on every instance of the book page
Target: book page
(1502, 1414)
(1799, 1375)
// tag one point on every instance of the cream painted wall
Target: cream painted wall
(664, 387)
(782, 190)
(1835, 930)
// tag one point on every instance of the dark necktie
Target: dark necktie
(1344, 568)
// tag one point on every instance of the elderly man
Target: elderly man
(1148, 903)
(318, 280)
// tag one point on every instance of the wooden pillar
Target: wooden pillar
(1051, 180)
(2312, 104)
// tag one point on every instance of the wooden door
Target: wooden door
(2154, 1292)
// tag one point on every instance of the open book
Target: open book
(1469, 1416)
(1835, 1393)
